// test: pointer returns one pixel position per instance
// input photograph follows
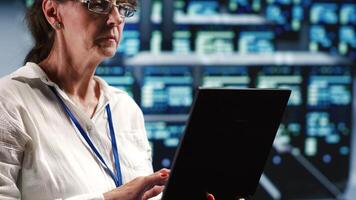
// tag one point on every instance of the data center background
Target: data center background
(171, 47)
(176, 46)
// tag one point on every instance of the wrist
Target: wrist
(108, 196)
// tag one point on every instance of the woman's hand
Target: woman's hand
(141, 188)
(210, 196)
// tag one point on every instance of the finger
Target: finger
(164, 171)
(158, 178)
(156, 190)
(210, 196)
(162, 174)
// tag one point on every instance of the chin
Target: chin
(108, 52)
(107, 49)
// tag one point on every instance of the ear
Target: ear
(50, 11)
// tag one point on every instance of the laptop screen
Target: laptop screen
(226, 143)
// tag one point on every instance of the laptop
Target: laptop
(226, 143)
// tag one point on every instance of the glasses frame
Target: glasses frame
(125, 9)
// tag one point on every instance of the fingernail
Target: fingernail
(210, 197)
(164, 175)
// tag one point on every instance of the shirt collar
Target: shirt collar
(33, 71)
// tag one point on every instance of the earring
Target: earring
(58, 25)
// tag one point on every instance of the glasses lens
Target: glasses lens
(126, 10)
(100, 6)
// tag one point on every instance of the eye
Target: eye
(126, 10)
(100, 6)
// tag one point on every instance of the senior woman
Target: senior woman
(64, 133)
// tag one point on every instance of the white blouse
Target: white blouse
(43, 155)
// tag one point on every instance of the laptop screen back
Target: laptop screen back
(226, 143)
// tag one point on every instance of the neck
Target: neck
(74, 75)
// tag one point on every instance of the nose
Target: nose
(114, 17)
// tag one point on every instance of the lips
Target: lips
(111, 37)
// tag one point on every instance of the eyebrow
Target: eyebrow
(131, 2)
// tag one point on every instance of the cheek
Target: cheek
(83, 28)
(82, 36)
(77, 33)
(121, 27)
(120, 30)
(88, 34)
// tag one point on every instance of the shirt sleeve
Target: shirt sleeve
(12, 145)
(93, 196)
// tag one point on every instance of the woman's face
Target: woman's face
(90, 33)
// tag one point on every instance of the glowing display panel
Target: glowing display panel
(182, 42)
(287, 14)
(290, 130)
(245, 6)
(166, 90)
(203, 7)
(313, 139)
(328, 121)
(256, 42)
(225, 77)
(323, 31)
(215, 42)
(164, 138)
(117, 76)
(347, 30)
(130, 42)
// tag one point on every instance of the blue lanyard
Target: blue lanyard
(118, 178)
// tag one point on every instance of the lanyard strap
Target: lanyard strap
(118, 178)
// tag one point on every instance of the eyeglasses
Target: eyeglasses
(105, 7)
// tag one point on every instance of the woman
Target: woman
(64, 133)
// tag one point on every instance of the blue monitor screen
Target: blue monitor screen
(323, 38)
(245, 6)
(221, 76)
(288, 77)
(117, 76)
(297, 17)
(256, 42)
(156, 14)
(282, 77)
(332, 28)
(181, 42)
(348, 14)
(179, 6)
(164, 138)
(210, 42)
(283, 2)
(130, 42)
(290, 132)
(347, 41)
(324, 13)
(156, 42)
(203, 7)
(275, 14)
(288, 15)
(328, 119)
(313, 138)
(166, 90)
(329, 88)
